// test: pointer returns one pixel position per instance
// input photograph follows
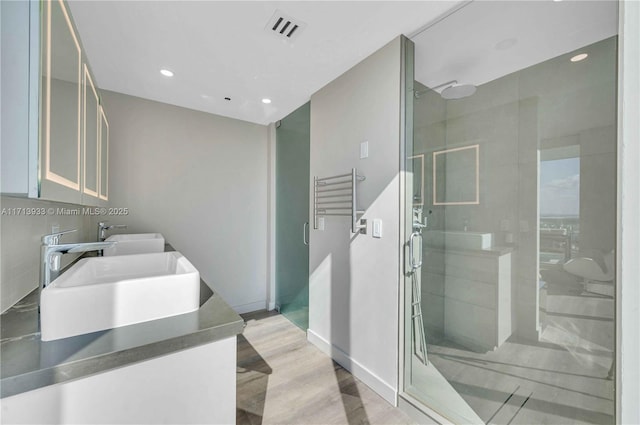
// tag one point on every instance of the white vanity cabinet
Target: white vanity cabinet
(51, 147)
(185, 386)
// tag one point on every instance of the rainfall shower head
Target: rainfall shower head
(458, 91)
(451, 91)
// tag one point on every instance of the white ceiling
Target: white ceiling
(218, 49)
(221, 49)
(485, 40)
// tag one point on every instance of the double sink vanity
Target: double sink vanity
(133, 335)
(142, 283)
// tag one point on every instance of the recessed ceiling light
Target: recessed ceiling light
(265, 100)
(506, 43)
(557, 0)
(166, 73)
(578, 58)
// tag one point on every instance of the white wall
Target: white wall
(628, 307)
(200, 180)
(179, 388)
(353, 288)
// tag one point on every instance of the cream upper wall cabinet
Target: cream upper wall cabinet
(19, 131)
(51, 134)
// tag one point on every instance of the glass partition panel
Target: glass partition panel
(292, 216)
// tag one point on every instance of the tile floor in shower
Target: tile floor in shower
(562, 379)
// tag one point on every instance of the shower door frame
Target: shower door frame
(407, 52)
(414, 407)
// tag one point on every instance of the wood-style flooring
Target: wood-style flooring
(283, 379)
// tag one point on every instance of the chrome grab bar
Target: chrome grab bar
(304, 233)
(412, 263)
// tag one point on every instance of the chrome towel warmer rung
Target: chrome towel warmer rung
(328, 203)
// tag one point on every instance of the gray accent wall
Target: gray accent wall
(200, 180)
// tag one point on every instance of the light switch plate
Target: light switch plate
(364, 150)
(377, 228)
(320, 223)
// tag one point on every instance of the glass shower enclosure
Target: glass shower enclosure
(509, 301)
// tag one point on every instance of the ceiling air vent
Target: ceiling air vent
(284, 26)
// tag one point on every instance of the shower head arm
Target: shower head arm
(419, 93)
(448, 83)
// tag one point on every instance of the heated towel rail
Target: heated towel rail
(337, 196)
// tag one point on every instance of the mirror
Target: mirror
(61, 72)
(72, 162)
(456, 176)
(91, 129)
(104, 156)
(418, 179)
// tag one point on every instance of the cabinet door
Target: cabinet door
(91, 130)
(104, 156)
(60, 148)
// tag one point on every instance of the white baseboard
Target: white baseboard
(248, 308)
(374, 382)
(272, 306)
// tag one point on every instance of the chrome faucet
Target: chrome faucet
(102, 229)
(51, 253)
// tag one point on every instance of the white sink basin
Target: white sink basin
(140, 243)
(458, 240)
(107, 292)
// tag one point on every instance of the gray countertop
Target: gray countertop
(27, 363)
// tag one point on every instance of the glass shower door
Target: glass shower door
(424, 289)
(292, 216)
(514, 273)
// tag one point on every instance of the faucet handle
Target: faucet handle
(54, 238)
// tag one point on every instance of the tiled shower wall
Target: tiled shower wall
(20, 240)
